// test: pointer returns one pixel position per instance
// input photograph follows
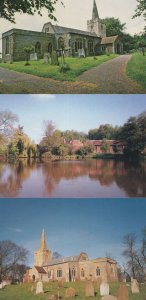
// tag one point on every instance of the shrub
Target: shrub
(64, 68)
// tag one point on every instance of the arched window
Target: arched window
(78, 45)
(49, 273)
(33, 277)
(7, 45)
(70, 43)
(97, 271)
(90, 46)
(60, 43)
(73, 272)
(59, 273)
(82, 273)
(38, 48)
(50, 48)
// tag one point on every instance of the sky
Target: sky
(95, 226)
(77, 112)
(76, 13)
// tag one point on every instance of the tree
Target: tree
(135, 256)
(56, 255)
(27, 51)
(104, 146)
(141, 8)
(7, 121)
(8, 8)
(114, 26)
(134, 133)
(11, 255)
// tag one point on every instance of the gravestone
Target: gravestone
(122, 292)
(109, 297)
(46, 57)
(54, 58)
(134, 286)
(32, 288)
(89, 289)
(33, 56)
(61, 283)
(1, 286)
(81, 52)
(70, 293)
(53, 297)
(39, 287)
(104, 289)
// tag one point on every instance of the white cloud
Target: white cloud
(42, 97)
(18, 230)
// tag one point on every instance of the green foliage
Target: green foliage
(20, 146)
(114, 26)
(70, 135)
(104, 146)
(9, 8)
(28, 50)
(62, 150)
(12, 150)
(85, 150)
(134, 133)
(64, 68)
(105, 131)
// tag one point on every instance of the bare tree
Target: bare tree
(130, 252)
(49, 128)
(135, 256)
(7, 120)
(11, 255)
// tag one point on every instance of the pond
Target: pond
(73, 179)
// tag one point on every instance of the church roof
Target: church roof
(109, 39)
(65, 260)
(40, 270)
(64, 30)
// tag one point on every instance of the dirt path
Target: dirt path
(108, 78)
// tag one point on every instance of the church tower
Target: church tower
(96, 25)
(43, 255)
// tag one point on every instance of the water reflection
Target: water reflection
(92, 178)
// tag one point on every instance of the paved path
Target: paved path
(14, 82)
(108, 78)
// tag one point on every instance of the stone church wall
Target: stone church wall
(15, 40)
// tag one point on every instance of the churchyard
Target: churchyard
(41, 69)
(28, 291)
(136, 69)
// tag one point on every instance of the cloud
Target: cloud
(43, 97)
(18, 230)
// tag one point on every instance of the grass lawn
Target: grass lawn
(77, 65)
(136, 69)
(17, 292)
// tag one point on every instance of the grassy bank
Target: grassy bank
(17, 292)
(77, 65)
(136, 69)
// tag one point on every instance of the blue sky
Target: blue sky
(96, 226)
(79, 112)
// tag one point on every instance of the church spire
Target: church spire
(95, 14)
(43, 245)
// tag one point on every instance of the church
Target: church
(69, 269)
(73, 42)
